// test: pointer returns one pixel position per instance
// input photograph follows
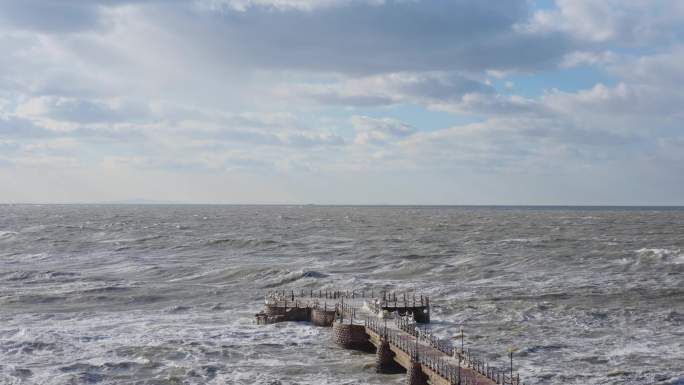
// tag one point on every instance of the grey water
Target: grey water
(153, 294)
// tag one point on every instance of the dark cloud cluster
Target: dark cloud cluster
(64, 16)
(349, 37)
(51, 16)
(363, 38)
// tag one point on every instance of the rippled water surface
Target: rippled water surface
(167, 294)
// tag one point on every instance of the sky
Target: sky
(565, 102)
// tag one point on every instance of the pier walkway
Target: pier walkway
(387, 325)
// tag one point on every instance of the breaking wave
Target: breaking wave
(660, 255)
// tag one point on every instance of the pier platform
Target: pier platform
(388, 325)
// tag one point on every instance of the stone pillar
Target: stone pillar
(352, 337)
(415, 375)
(384, 359)
(275, 310)
(321, 317)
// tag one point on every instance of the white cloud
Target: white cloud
(661, 69)
(75, 110)
(493, 105)
(387, 89)
(379, 130)
(635, 22)
(599, 59)
(282, 5)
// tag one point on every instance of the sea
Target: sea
(166, 294)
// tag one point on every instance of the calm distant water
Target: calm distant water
(166, 294)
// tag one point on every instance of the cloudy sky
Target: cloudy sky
(342, 101)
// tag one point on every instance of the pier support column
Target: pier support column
(322, 317)
(352, 337)
(415, 375)
(384, 359)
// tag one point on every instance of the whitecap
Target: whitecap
(520, 240)
(659, 255)
(7, 234)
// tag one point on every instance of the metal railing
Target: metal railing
(391, 301)
(387, 299)
(327, 294)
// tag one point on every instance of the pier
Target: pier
(388, 325)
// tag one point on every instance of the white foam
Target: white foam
(663, 255)
(521, 240)
(7, 234)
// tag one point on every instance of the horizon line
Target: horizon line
(493, 205)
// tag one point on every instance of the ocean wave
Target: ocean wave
(290, 277)
(176, 309)
(79, 367)
(144, 299)
(37, 276)
(33, 299)
(243, 243)
(105, 289)
(659, 255)
(675, 317)
(34, 229)
(521, 240)
(231, 274)
(539, 349)
(7, 234)
(313, 274)
(21, 373)
(29, 347)
(133, 240)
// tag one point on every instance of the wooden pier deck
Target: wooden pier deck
(387, 325)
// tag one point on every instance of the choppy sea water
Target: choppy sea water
(166, 294)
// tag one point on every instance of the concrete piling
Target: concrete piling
(351, 336)
(384, 359)
(415, 375)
